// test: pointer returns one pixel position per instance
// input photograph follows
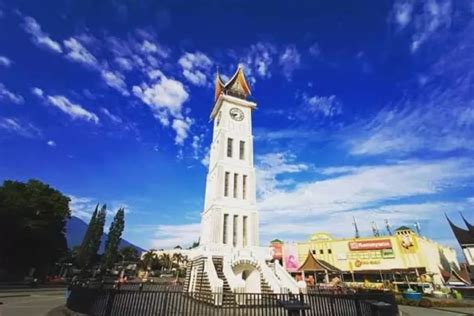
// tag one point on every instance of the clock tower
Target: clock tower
(229, 258)
(230, 216)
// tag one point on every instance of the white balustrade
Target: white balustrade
(286, 280)
(217, 285)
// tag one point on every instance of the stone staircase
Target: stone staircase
(228, 298)
(264, 287)
(187, 279)
(202, 289)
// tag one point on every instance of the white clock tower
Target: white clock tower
(230, 216)
(229, 258)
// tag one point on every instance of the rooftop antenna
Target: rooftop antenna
(355, 227)
(387, 226)
(418, 229)
(375, 229)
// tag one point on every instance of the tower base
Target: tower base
(214, 271)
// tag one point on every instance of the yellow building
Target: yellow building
(400, 257)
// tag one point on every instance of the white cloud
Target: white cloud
(165, 96)
(365, 186)
(82, 207)
(196, 67)
(51, 143)
(75, 111)
(438, 118)
(77, 52)
(169, 236)
(114, 118)
(405, 129)
(327, 106)
(4, 61)
(181, 127)
(259, 58)
(402, 11)
(124, 63)
(115, 80)
(271, 165)
(37, 91)
(374, 192)
(205, 160)
(151, 48)
(426, 18)
(197, 145)
(435, 17)
(14, 125)
(290, 60)
(39, 37)
(9, 96)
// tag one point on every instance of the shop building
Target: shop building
(401, 257)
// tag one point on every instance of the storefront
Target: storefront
(401, 257)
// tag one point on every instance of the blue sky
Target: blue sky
(364, 109)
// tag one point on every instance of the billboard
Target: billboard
(277, 250)
(370, 244)
(290, 255)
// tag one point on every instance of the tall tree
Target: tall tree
(83, 257)
(113, 240)
(91, 242)
(32, 226)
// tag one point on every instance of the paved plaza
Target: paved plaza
(30, 303)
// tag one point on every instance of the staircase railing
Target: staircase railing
(286, 280)
(269, 277)
(217, 285)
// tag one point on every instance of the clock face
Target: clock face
(236, 114)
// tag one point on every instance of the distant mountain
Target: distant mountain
(76, 229)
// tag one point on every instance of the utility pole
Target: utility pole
(375, 230)
(387, 226)
(356, 228)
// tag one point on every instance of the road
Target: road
(30, 303)
(420, 311)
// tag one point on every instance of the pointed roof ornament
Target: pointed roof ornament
(463, 236)
(468, 225)
(236, 86)
(219, 85)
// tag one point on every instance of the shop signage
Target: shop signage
(370, 244)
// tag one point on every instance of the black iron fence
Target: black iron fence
(136, 299)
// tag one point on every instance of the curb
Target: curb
(63, 311)
(14, 295)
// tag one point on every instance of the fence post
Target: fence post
(357, 305)
(331, 299)
(110, 302)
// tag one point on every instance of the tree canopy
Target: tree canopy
(32, 226)
(113, 239)
(91, 242)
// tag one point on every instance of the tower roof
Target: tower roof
(236, 86)
(468, 225)
(314, 264)
(464, 237)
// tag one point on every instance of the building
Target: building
(465, 238)
(229, 258)
(401, 257)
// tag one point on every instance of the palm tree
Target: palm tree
(165, 260)
(147, 260)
